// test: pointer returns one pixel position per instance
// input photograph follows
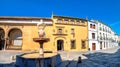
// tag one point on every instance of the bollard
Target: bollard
(79, 59)
(88, 49)
(12, 58)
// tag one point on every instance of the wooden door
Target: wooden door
(93, 46)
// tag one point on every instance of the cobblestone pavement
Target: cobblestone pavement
(100, 58)
(7, 57)
(74, 55)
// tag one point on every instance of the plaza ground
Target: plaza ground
(101, 58)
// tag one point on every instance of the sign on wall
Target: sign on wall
(17, 43)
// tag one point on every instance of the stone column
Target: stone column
(41, 52)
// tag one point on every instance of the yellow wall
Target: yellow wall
(81, 33)
(30, 31)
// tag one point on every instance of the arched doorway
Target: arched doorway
(60, 45)
(2, 40)
(15, 38)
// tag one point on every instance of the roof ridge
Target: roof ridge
(24, 17)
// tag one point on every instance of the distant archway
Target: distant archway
(2, 40)
(2, 33)
(14, 37)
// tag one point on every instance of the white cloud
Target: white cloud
(115, 23)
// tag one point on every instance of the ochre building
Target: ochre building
(65, 33)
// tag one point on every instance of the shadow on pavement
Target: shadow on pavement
(7, 65)
(96, 59)
(102, 59)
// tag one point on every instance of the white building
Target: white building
(92, 36)
(106, 37)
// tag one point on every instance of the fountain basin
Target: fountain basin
(33, 60)
(41, 39)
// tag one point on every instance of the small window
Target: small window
(59, 21)
(66, 20)
(72, 31)
(93, 35)
(94, 26)
(83, 45)
(100, 28)
(77, 21)
(82, 22)
(72, 21)
(103, 34)
(90, 25)
(59, 31)
(73, 46)
(110, 32)
(103, 29)
(100, 37)
(104, 44)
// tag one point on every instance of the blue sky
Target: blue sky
(107, 11)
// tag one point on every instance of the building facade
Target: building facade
(18, 32)
(92, 36)
(107, 38)
(70, 33)
(65, 33)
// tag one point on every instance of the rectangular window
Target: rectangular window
(66, 20)
(73, 46)
(72, 21)
(100, 28)
(104, 44)
(103, 29)
(93, 35)
(59, 21)
(59, 31)
(90, 25)
(100, 37)
(100, 45)
(82, 22)
(83, 45)
(77, 22)
(94, 26)
(72, 31)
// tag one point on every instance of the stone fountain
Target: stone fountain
(38, 59)
(42, 38)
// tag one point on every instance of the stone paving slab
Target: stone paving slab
(109, 54)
